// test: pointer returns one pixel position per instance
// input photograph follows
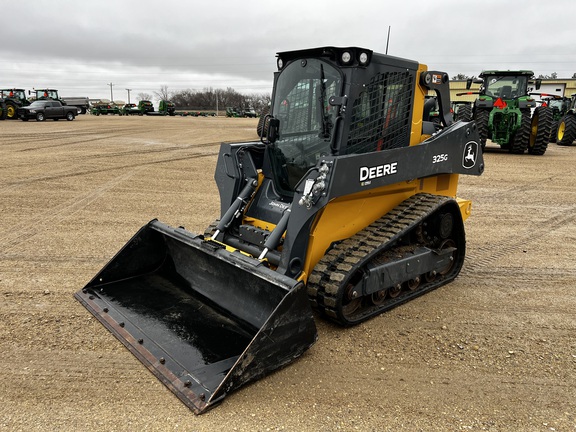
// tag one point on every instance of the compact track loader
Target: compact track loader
(347, 206)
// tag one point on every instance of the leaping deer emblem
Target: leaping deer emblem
(470, 156)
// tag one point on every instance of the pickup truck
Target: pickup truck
(47, 109)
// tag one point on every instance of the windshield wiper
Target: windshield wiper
(326, 124)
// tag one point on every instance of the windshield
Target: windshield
(306, 118)
(38, 104)
(52, 94)
(18, 94)
(556, 104)
(506, 87)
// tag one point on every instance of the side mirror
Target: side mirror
(538, 83)
(468, 83)
(273, 130)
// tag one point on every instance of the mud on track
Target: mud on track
(495, 350)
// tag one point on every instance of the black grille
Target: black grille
(381, 114)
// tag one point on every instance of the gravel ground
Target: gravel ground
(494, 350)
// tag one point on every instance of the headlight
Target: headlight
(363, 58)
(280, 63)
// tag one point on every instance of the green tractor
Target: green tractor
(167, 108)
(502, 112)
(13, 99)
(566, 133)
(432, 110)
(42, 94)
(130, 109)
(105, 107)
(2, 109)
(146, 106)
(559, 106)
(233, 112)
(462, 110)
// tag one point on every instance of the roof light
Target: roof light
(363, 58)
(280, 63)
(346, 57)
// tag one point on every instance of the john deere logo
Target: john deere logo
(470, 155)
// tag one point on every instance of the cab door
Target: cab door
(50, 111)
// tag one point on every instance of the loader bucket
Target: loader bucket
(204, 320)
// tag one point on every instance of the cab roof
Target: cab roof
(507, 72)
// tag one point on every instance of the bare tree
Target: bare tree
(144, 96)
(259, 101)
(163, 94)
(553, 75)
(208, 97)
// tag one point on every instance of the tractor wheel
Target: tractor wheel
(40, 117)
(566, 130)
(3, 111)
(262, 128)
(521, 138)
(11, 110)
(482, 117)
(465, 113)
(540, 131)
(553, 131)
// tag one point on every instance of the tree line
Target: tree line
(553, 75)
(211, 99)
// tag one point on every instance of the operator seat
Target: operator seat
(506, 92)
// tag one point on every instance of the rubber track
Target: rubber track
(351, 254)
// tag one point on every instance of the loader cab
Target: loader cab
(304, 117)
(506, 85)
(46, 94)
(336, 101)
(17, 94)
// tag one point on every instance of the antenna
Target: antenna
(387, 39)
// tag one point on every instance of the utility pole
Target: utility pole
(128, 90)
(216, 92)
(111, 95)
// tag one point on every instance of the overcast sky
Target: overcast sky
(80, 46)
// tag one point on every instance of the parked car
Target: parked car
(47, 109)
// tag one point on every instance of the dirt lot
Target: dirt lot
(495, 350)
